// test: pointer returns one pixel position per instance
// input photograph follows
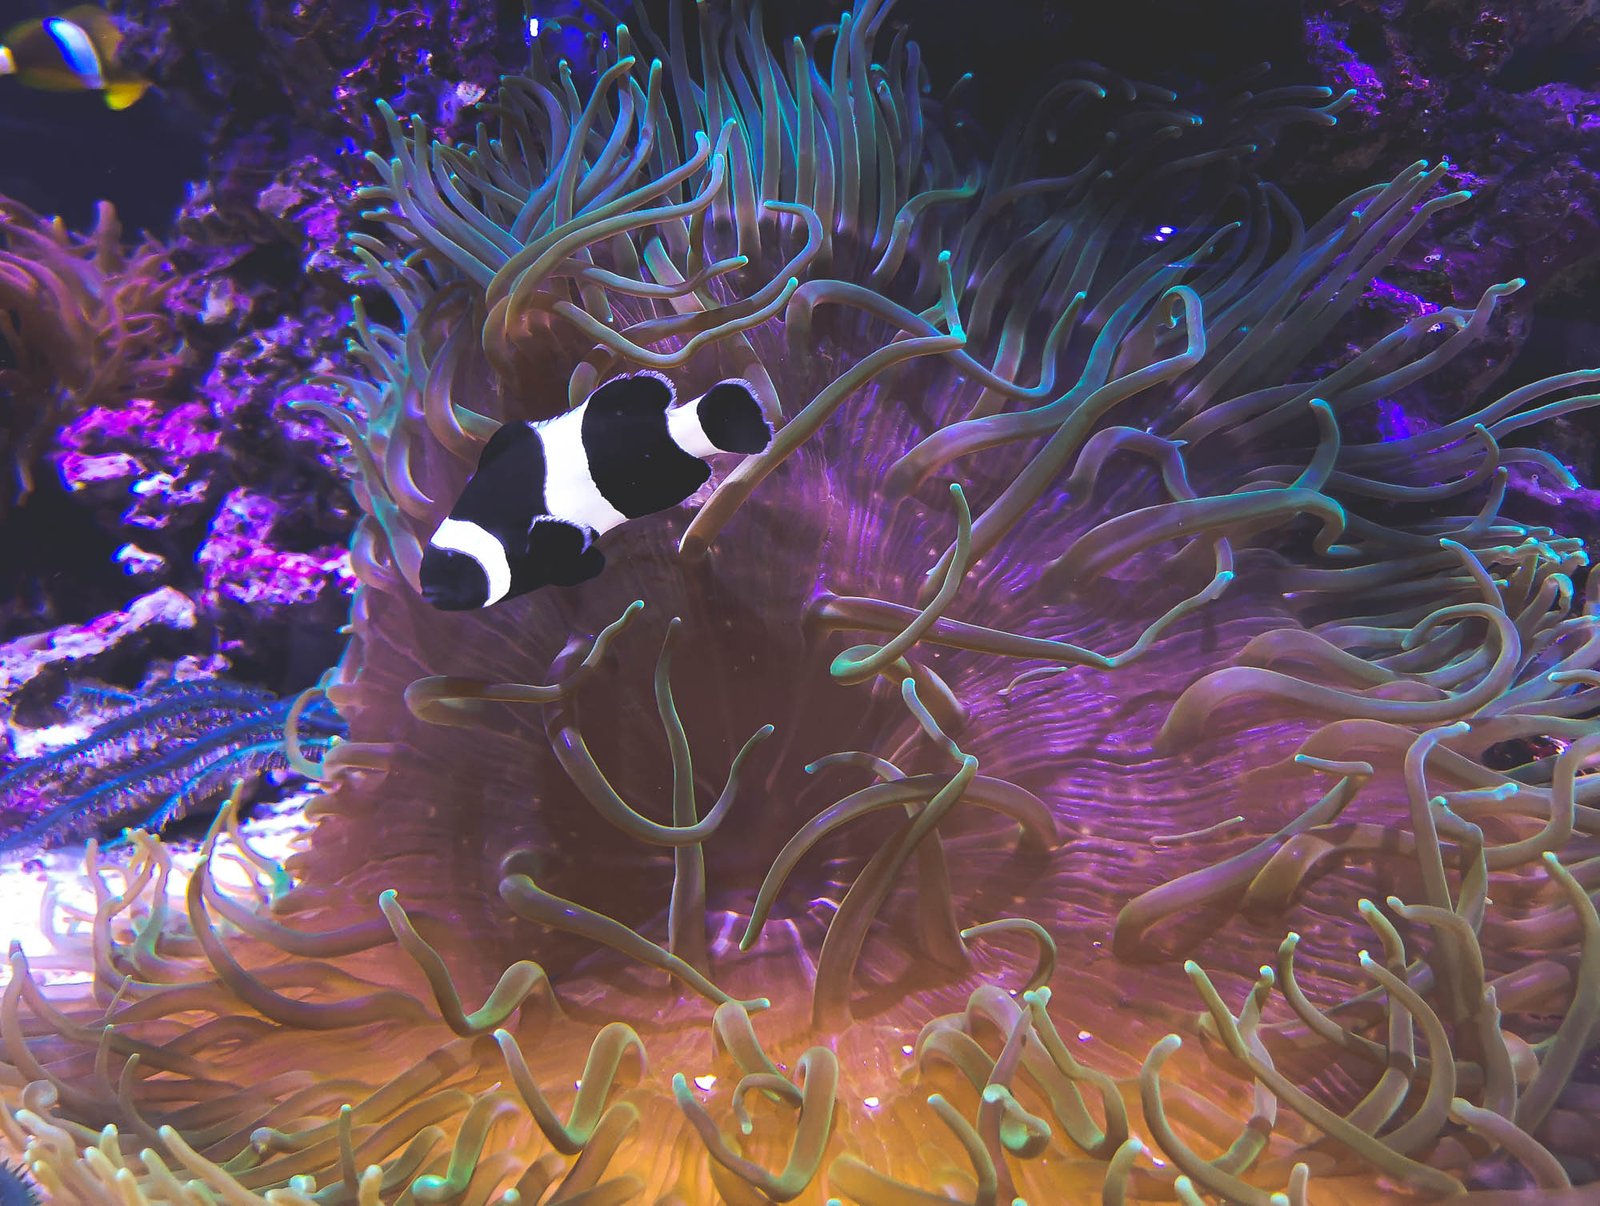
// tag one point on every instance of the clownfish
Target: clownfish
(75, 52)
(543, 492)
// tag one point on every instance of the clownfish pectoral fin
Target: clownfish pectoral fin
(562, 553)
(588, 565)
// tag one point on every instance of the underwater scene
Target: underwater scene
(693, 602)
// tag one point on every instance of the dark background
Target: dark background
(61, 152)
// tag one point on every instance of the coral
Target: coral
(84, 322)
(164, 460)
(86, 647)
(241, 563)
(252, 299)
(1044, 819)
(157, 757)
(285, 72)
(1508, 90)
(160, 457)
(15, 1187)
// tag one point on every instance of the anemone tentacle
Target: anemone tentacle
(1337, 670)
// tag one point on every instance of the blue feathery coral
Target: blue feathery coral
(157, 758)
(16, 1189)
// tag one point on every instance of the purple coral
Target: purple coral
(85, 322)
(242, 563)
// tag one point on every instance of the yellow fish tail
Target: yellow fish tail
(124, 93)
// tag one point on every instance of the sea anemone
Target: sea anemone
(990, 792)
(84, 323)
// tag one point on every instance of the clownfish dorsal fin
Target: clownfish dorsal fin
(506, 437)
(644, 393)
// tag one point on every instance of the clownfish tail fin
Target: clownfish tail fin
(731, 418)
(121, 95)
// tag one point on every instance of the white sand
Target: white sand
(34, 887)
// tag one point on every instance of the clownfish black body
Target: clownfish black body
(543, 492)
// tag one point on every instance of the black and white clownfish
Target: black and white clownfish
(75, 52)
(543, 492)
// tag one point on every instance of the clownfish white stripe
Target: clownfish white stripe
(683, 425)
(77, 49)
(461, 536)
(569, 488)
